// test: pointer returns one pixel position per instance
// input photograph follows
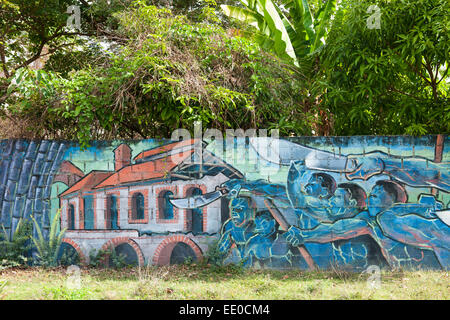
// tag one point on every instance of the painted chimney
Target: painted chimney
(122, 156)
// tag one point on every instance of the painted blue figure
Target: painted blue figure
(267, 248)
(327, 205)
(419, 226)
(385, 196)
(237, 230)
(308, 193)
(346, 201)
(314, 194)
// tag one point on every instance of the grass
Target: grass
(206, 282)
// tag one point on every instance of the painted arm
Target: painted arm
(415, 172)
(329, 232)
(426, 207)
(415, 230)
(225, 241)
(247, 260)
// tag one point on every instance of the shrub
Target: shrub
(48, 250)
(107, 258)
(14, 250)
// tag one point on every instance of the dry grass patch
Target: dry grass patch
(210, 283)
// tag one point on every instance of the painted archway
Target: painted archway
(116, 242)
(164, 251)
(77, 248)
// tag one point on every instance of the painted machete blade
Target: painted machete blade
(283, 152)
(196, 201)
(444, 216)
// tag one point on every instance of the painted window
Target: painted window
(71, 217)
(112, 213)
(195, 216)
(88, 202)
(138, 206)
(165, 207)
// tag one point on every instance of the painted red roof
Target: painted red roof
(88, 182)
(148, 170)
(156, 169)
(165, 148)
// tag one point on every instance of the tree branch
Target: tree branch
(433, 84)
(404, 93)
(46, 41)
(443, 76)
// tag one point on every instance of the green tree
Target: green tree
(32, 30)
(392, 80)
(167, 74)
(289, 29)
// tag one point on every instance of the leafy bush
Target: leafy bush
(107, 258)
(117, 261)
(48, 250)
(165, 73)
(213, 255)
(98, 258)
(14, 251)
(68, 257)
(392, 80)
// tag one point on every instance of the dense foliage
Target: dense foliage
(48, 248)
(289, 29)
(170, 73)
(29, 27)
(392, 80)
(15, 250)
(140, 69)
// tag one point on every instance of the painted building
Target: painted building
(130, 206)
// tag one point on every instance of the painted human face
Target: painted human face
(264, 225)
(297, 189)
(341, 203)
(314, 187)
(240, 210)
(379, 200)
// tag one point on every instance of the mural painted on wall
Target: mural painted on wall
(339, 202)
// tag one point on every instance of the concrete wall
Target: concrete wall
(311, 202)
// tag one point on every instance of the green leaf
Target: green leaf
(323, 18)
